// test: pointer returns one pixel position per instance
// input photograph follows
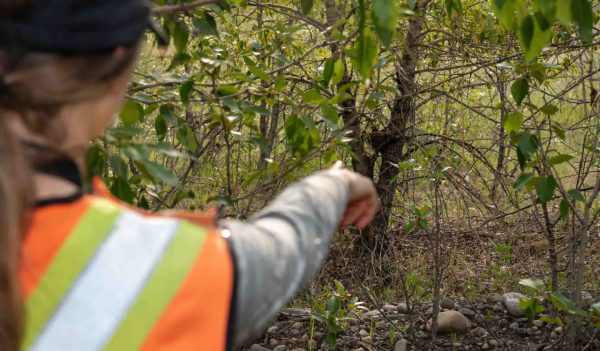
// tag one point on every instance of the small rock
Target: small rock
(493, 343)
(498, 307)
(257, 347)
(295, 312)
(402, 308)
(421, 335)
(363, 333)
(451, 322)
(511, 302)
(513, 326)
(401, 345)
(297, 325)
(503, 322)
(273, 342)
(429, 311)
(280, 348)
(373, 314)
(389, 308)
(553, 335)
(538, 323)
(496, 298)
(485, 346)
(272, 330)
(531, 331)
(558, 330)
(294, 332)
(448, 303)
(586, 299)
(367, 339)
(467, 312)
(522, 331)
(480, 332)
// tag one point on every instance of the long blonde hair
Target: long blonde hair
(34, 86)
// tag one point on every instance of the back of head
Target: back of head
(39, 75)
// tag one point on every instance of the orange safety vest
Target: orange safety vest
(97, 274)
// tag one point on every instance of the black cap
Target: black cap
(74, 26)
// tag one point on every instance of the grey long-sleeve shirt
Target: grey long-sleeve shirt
(280, 248)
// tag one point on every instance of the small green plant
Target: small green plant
(534, 304)
(334, 313)
(505, 251)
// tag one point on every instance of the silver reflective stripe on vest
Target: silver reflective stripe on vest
(102, 295)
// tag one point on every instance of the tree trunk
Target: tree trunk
(390, 142)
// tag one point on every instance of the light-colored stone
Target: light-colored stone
(402, 308)
(273, 342)
(493, 343)
(389, 308)
(485, 346)
(586, 299)
(257, 347)
(272, 329)
(511, 302)
(451, 322)
(401, 345)
(363, 333)
(297, 325)
(280, 348)
(538, 323)
(294, 332)
(373, 314)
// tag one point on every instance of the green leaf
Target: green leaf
(185, 135)
(558, 159)
(206, 24)
(226, 90)
(160, 126)
(559, 130)
(364, 53)
(563, 12)
(513, 122)
(528, 145)
(312, 96)
(338, 72)
(564, 304)
(121, 189)
(384, 16)
(534, 35)
(550, 110)
(564, 209)
(333, 304)
(327, 71)
(185, 91)
(95, 159)
(131, 113)
(306, 6)
(180, 37)
(576, 195)
(533, 283)
(523, 180)
(545, 188)
(119, 167)
(538, 71)
(552, 320)
(583, 15)
(158, 172)
(519, 89)
(257, 72)
(526, 32)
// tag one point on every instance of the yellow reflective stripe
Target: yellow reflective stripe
(72, 258)
(160, 288)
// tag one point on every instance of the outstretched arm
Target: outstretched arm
(280, 248)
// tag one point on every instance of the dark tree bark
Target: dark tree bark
(390, 142)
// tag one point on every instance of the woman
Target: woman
(82, 271)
